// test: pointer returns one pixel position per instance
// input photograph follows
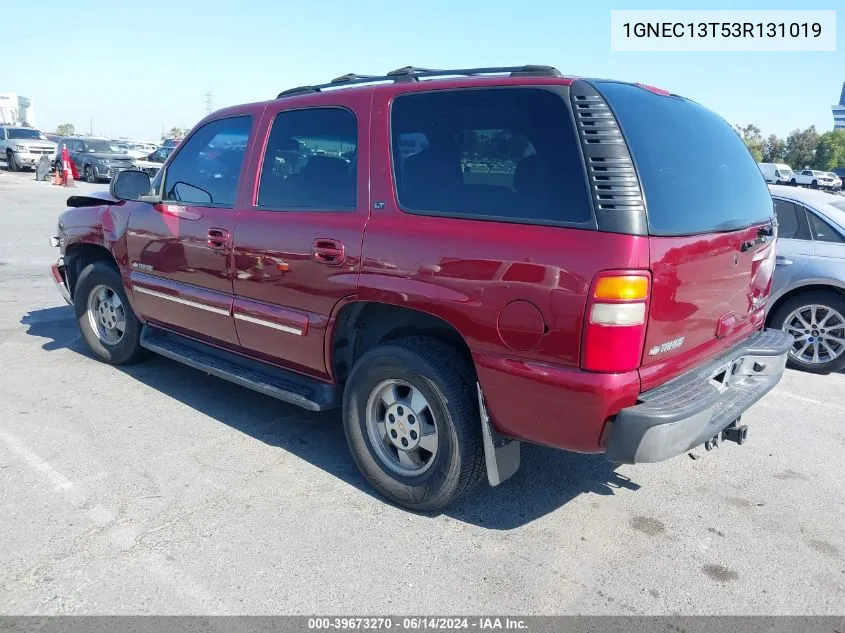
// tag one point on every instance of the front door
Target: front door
(297, 246)
(180, 251)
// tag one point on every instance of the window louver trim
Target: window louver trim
(612, 178)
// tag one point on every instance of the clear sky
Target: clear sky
(139, 66)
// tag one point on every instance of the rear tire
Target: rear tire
(829, 311)
(432, 388)
(11, 161)
(106, 320)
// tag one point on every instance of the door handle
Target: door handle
(328, 251)
(780, 260)
(218, 238)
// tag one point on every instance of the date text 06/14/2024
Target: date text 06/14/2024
(417, 623)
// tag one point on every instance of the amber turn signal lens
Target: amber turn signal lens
(622, 288)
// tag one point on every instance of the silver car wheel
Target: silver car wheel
(401, 428)
(106, 315)
(819, 333)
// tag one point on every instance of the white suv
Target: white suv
(24, 147)
(813, 178)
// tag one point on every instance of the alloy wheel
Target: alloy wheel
(106, 315)
(402, 428)
(819, 333)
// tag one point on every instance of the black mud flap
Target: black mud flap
(501, 454)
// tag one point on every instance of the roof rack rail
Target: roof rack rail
(351, 77)
(412, 73)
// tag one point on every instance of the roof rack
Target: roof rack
(412, 73)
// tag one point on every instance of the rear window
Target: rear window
(696, 173)
(507, 154)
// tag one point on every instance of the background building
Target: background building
(16, 109)
(839, 112)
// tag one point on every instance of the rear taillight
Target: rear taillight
(615, 321)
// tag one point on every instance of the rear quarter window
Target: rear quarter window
(696, 173)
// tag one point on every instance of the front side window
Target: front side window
(207, 169)
(311, 161)
(494, 153)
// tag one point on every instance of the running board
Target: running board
(272, 381)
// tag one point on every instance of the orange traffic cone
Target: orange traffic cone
(57, 175)
(67, 170)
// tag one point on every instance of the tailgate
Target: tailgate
(710, 223)
(707, 291)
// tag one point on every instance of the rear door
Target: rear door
(710, 221)
(794, 246)
(297, 244)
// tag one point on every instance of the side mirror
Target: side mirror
(130, 185)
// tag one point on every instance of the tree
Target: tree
(753, 140)
(65, 129)
(801, 148)
(774, 149)
(830, 152)
(176, 132)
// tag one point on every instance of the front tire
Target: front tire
(11, 161)
(106, 320)
(411, 419)
(817, 321)
(89, 174)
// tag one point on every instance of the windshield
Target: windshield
(26, 133)
(102, 146)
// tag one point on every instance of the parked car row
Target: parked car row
(98, 159)
(781, 174)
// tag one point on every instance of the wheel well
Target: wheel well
(361, 326)
(799, 291)
(78, 256)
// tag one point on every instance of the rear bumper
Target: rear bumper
(59, 276)
(691, 409)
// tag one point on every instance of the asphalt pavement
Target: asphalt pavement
(156, 489)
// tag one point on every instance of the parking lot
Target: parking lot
(158, 489)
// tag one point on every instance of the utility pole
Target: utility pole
(91, 127)
(209, 104)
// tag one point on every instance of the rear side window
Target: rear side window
(791, 221)
(696, 173)
(496, 153)
(207, 168)
(822, 231)
(311, 161)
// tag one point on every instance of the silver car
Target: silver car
(808, 289)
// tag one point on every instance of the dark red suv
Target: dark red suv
(459, 260)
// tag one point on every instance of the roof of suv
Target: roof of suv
(411, 78)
